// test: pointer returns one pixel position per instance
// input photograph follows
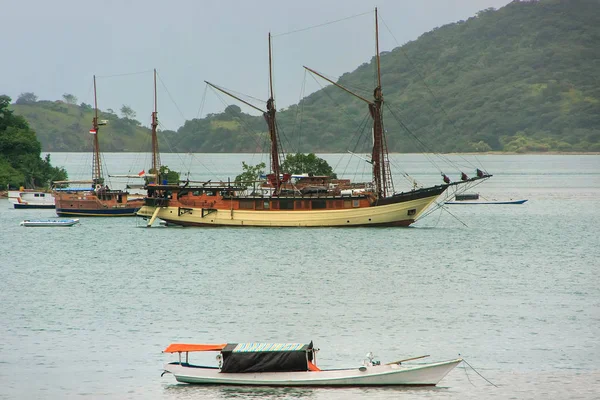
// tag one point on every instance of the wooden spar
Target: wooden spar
(155, 154)
(407, 359)
(96, 167)
(338, 85)
(377, 49)
(234, 96)
(270, 118)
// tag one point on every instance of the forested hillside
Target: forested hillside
(61, 126)
(20, 151)
(523, 78)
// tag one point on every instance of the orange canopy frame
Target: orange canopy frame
(184, 348)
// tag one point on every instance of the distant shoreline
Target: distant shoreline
(495, 153)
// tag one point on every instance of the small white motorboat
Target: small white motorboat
(49, 222)
(29, 198)
(294, 364)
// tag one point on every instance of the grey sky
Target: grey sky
(55, 47)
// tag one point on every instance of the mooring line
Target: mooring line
(477, 372)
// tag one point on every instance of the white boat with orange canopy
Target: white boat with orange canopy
(295, 364)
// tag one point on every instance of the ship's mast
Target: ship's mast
(155, 153)
(382, 176)
(96, 165)
(270, 118)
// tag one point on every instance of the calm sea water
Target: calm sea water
(515, 290)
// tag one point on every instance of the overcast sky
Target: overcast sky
(55, 47)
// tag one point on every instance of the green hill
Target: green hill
(523, 78)
(64, 127)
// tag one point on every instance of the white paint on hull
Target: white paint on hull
(417, 375)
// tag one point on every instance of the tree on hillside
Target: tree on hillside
(300, 163)
(20, 162)
(251, 173)
(26, 98)
(233, 110)
(69, 98)
(127, 112)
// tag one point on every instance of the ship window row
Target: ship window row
(292, 204)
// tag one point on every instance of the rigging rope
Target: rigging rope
(320, 25)
(439, 104)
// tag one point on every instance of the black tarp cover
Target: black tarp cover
(266, 357)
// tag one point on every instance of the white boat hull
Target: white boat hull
(42, 223)
(380, 375)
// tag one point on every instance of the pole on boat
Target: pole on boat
(406, 359)
(155, 156)
(96, 168)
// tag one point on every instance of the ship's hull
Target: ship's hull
(380, 375)
(102, 212)
(21, 205)
(401, 213)
(89, 204)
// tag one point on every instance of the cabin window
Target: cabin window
(318, 204)
(247, 204)
(266, 205)
(119, 199)
(210, 193)
(412, 211)
(197, 192)
(355, 203)
(259, 205)
(286, 204)
(347, 203)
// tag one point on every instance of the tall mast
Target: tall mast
(155, 154)
(270, 118)
(382, 176)
(96, 166)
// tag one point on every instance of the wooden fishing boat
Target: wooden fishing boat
(333, 204)
(49, 222)
(31, 198)
(99, 200)
(295, 364)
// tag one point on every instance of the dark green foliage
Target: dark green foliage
(300, 163)
(20, 162)
(26, 98)
(250, 174)
(165, 174)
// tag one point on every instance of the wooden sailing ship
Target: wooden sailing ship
(225, 204)
(99, 200)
